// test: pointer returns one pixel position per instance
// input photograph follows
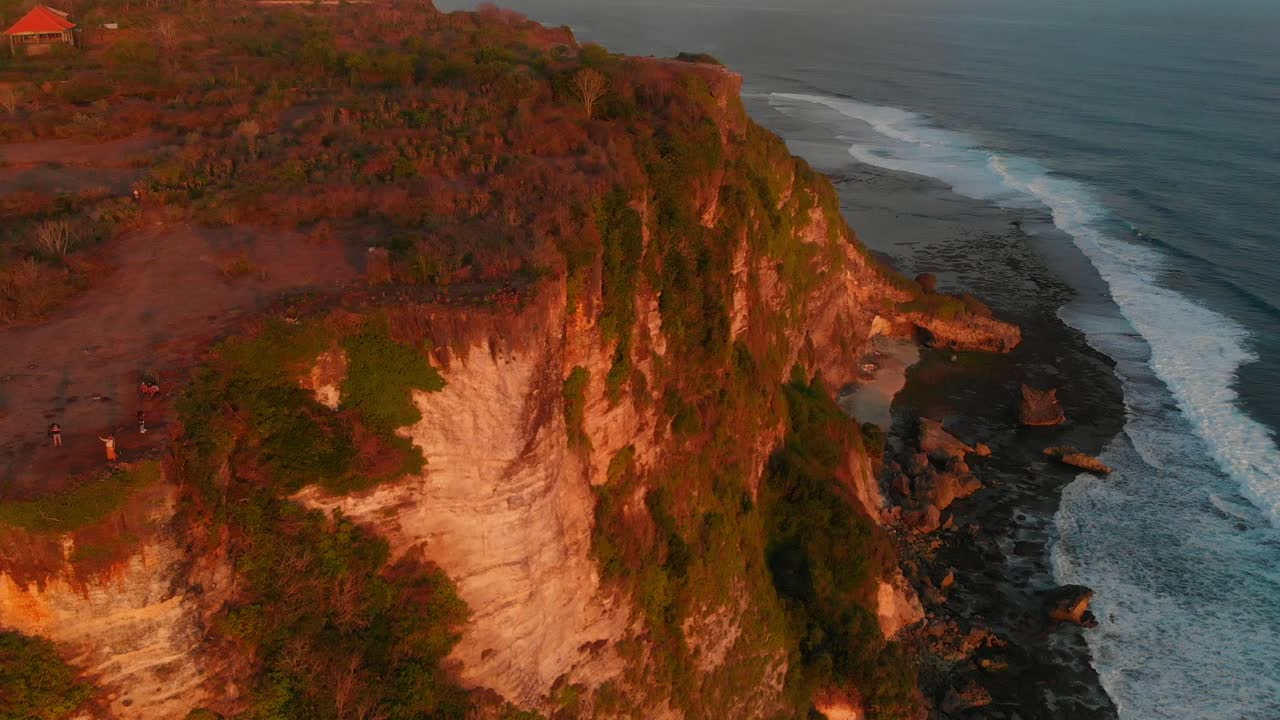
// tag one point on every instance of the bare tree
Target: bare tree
(249, 130)
(591, 85)
(9, 99)
(56, 237)
(167, 33)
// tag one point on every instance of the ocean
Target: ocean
(1147, 131)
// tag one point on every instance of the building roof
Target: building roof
(41, 20)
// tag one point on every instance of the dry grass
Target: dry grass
(9, 99)
(241, 267)
(55, 237)
(29, 289)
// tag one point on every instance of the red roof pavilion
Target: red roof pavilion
(41, 27)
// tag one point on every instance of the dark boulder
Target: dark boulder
(1040, 408)
(1070, 604)
(940, 445)
(966, 697)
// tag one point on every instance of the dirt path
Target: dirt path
(124, 152)
(169, 296)
(63, 166)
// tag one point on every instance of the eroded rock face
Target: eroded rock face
(897, 605)
(835, 704)
(938, 444)
(135, 627)
(941, 488)
(326, 376)
(505, 504)
(1040, 408)
(506, 509)
(935, 477)
(967, 333)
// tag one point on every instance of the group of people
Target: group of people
(149, 389)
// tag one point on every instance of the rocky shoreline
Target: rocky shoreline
(984, 573)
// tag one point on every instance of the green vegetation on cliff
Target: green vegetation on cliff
(296, 440)
(35, 684)
(826, 557)
(82, 505)
(333, 627)
(575, 400)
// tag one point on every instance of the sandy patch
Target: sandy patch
(884, 373)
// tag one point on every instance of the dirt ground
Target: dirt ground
(66, 166)
(173, 289)
(125, 152)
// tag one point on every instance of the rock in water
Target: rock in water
(1070, 604)
(924, 521)
(967, 697)
(1040, 408)
(939, 444)
(1075, 458)
(940, 489)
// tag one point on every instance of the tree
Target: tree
(9, 99)
(591, 85)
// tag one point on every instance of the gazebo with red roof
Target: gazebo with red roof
(39, 30)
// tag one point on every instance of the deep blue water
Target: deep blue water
(1150, 131)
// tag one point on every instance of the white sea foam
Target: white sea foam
(1195, 350)
(1185, 568)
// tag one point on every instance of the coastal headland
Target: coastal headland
(497, 376)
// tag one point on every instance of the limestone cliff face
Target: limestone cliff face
(134, 623)
(505, 508)
(506, 504)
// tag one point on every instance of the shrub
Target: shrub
(873, 439)
(575, 405)
(30, 289)
(83, 504)
(826, 557)
(298, 440)
(332, 628)
(928, 283)
(35, 684)
(702, 58)
(55, 237)
(84, 93)
(381, 375)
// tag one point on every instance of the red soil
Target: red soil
(59, 166)
(173, 290)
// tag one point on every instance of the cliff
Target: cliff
(590, 384)
(125, 600)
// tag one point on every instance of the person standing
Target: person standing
(55, 432)
(110, 443)
(142, 422)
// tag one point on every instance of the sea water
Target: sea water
(1149, 131)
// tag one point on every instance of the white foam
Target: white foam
(1194, 350)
